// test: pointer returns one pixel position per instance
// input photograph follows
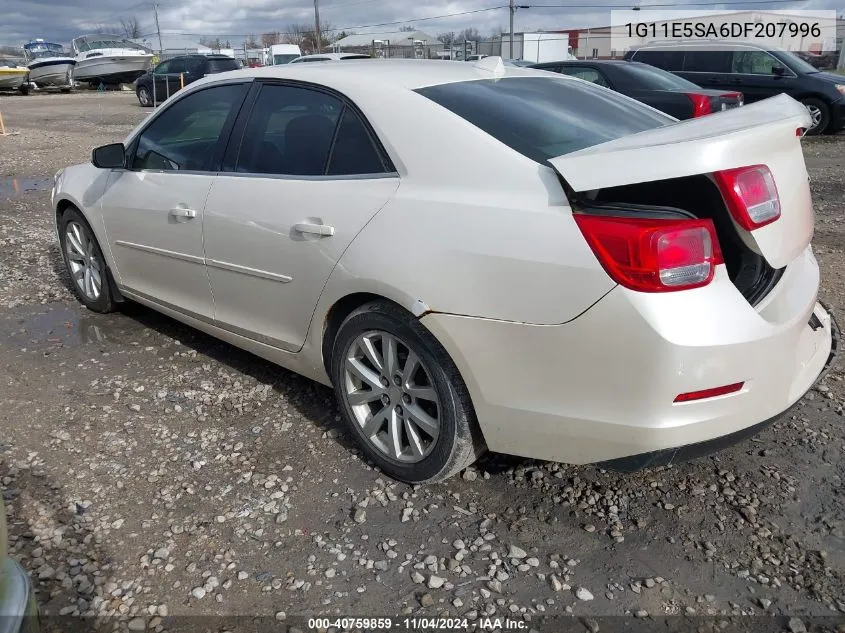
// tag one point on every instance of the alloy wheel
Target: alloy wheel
(815, 114)
(392, 396)
(144, 97)
(83, 261)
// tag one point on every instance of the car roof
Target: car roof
(399, 73)
(581, 62)
(690, 44)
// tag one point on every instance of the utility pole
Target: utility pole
(318, 44)
(158, 29)
(512, 11)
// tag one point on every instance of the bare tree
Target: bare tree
(295, 34)
(448, 38)
(215, 44)
(131, 27)
(471, 34)
(407, 29)
(251, 42)
(268, 39)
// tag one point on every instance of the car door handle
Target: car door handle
(183, 214)
(314, 229)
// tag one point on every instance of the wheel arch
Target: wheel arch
(65, 202)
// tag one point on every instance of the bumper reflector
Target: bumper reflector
(709, 393)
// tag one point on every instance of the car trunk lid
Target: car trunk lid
(763, 133)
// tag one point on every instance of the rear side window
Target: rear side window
(222, 65)
(544, 117)
(289, 132)
(587, 74)
(667, 60)
(707, 61)
(353, 151)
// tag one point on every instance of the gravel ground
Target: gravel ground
(151, 471)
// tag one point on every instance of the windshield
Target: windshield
(44, 49)
(793, 62)
(283, 59)
(544, 117)
(655, 78)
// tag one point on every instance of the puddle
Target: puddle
(14, 187)
(60, 326)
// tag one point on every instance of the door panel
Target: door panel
(153, 210)
(307, 180)
(266, 275)
(159, 252)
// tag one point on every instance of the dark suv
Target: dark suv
(170, 75)
(755, 71)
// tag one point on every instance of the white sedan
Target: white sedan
(473, 255)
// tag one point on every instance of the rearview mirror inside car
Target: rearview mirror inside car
(112, 156)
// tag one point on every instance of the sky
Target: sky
(233, 20)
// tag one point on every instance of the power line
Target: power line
(673, 5)
(360, 26)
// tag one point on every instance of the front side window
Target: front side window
(544, 117)
(186, 134)
(163, 68)
(754, 63)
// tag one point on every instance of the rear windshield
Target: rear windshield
(651, 78)
(544, 117)
(222, 65)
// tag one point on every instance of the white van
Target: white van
(283, 53)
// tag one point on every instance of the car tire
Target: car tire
(436, 433)
(24, 89)
(144, 97)
(89, 274)
(820, 111)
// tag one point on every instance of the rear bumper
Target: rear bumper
(18, 611)
(602, 387)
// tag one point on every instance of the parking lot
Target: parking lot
(153, 471)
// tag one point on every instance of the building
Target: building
(612, 42)
(537, 47)
(408, 44)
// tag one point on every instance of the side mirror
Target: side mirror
(780, 71)
(111, 156)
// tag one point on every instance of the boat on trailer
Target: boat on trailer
(109, 59)
(49, 64)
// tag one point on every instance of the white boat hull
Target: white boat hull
(111, 69)
(57, 73)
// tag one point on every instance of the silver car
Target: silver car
(18, 611)
(600, 282)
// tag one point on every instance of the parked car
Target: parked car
(602, 283)
(173, 74)
(660, 89)
(757, 72)
(18, 611)
(329, 57)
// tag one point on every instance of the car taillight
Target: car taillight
(700, 104)
(709, 393)
(653, 255)
(751, 195)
